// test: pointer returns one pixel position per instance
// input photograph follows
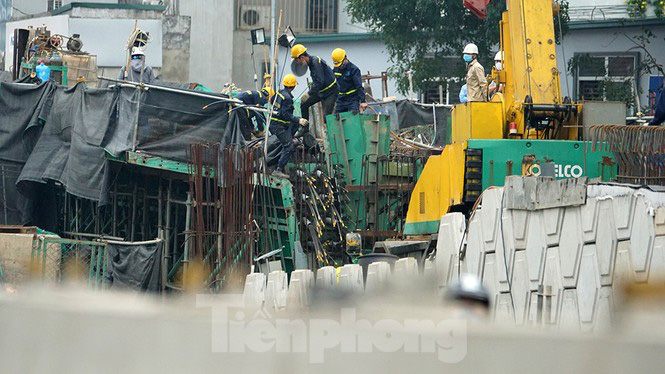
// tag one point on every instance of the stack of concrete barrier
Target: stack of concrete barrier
(275, 292)
(557, 253)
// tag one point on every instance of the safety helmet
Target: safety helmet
(268, 91)
(338, 56)
(469, 288)
(498, 56)
(297, 51)
(471, 49)
(290, 81)
(136, 51)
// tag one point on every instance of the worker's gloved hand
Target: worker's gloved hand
(363, 107)
(303, 122)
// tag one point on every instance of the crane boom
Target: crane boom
(477, 7)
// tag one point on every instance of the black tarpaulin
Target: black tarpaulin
(68, 150)
(22, 111)
(134, 266)
(412, 114)
(169, 122)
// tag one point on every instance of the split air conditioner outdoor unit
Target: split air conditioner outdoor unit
(254, 17)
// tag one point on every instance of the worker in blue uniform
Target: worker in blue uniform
(324, 87)
(284, 123)
(351, 96)
(258, 99)
(659, 114)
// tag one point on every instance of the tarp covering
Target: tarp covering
(134, 266)
(68, 150)
(23, 109)
(411, 114)
(52, 134)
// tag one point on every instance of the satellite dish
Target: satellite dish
(298, 70)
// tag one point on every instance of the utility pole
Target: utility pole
(273, 32)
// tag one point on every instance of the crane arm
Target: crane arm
(477, 7)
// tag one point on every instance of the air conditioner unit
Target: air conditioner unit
(254, 17)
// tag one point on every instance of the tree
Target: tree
(422, 35)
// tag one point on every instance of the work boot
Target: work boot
(259, 134)
(279, 174)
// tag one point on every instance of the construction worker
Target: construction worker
(324, 88)
(349, 80)
(476, 82)
(498, 66)
(659, 113)
(139, 72)
(284, 123)
(259, 99)
(469, 297)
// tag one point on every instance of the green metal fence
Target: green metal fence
(56, 259)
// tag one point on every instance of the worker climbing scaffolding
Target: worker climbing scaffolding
(285, 124)
(324, 87)
(259, 99)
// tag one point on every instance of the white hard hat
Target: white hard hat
(471, 49)
(499, 56)
(136, 51)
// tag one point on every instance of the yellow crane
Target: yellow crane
(526, 125)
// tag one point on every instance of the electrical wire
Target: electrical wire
(563, 50)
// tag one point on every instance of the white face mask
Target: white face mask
(498, 65)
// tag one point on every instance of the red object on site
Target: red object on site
(513, 128)
(477, 7)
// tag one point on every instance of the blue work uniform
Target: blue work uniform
(659, 113)
(283, 125)
(324, 87)
(254, 98)
(351, 91)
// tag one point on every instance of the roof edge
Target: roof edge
(70, 6)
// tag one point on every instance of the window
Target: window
(304, 16)
(54, 4)
(606, 77)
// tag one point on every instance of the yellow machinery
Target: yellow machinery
(528, 121)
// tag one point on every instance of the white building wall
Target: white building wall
(211, 43)
(615, 40)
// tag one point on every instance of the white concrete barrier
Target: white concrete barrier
(253, 295)
(351, 278)
(299, 293)
(378, 274)
(326, 277)
(276, 290)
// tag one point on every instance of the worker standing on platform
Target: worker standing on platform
(349, 80)
(495, 87)
(324, 87)
(139, 72)
(259, 99)
(284, 123)
(476, 82)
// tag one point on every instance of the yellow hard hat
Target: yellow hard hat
(290, 81)
(297, 50)
(269, 91)
(338, 56)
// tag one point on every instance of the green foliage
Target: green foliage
(561, 21)
(637, 8)
(659, 7)
(421, 35)
(427, 36)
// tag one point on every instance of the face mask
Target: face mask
(498, 65)
(468, 58)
